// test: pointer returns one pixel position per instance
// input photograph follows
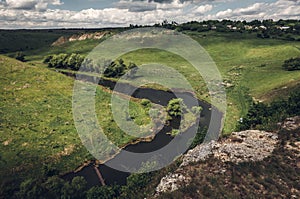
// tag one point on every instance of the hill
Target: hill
(250, 164)
(37, 128)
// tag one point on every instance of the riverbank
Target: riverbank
(153, 142)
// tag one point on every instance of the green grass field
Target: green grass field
(36, 111)
(37, 126)
(251, 64)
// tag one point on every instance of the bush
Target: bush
(266, 116)
(104, 192)
(292, 64)
(64, 61)
(146, 102)
(20, 56)
(176, 107)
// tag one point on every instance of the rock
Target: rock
(171, 182)
(245, 146)
(291, 123)
(60, 41)
(96, 36)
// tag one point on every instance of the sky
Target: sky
(15, 14)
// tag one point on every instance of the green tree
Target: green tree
(54, 186)
(79, 186)
(74, 61)
(20, 56)
(292, 64)
(104, 192)
(176, 107)
(30, 189)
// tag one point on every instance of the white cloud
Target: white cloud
(30, 4)
(203, 9)
(281, 9)
(16, 16)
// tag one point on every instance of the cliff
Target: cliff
(246, 164)
(81, 37)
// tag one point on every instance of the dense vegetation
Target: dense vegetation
(64, 61)
(282, 29)
(266, 116)
(118, 68)
(36, 121)
(292, 64)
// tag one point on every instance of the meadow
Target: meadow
(37, 126)
(251, 66)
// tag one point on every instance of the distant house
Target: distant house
(284, 28)
(247, 27)
(214, 27)
(263, 27)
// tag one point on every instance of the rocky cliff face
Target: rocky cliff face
(240, 147)
(96, 36)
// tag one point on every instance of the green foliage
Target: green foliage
(196, 110)
(199, 137)
(292, 64)
(104, 192)
(135, 183)
(118, 68)
(265, 116)
(175, 132)
(176, 107)
(79, 186)
(53, 187)
(20, 56)
(146, 103)
(30, 189)
(64, 61)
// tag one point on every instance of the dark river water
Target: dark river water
(113, 176)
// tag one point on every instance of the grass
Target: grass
(243, 60)
(37, 125)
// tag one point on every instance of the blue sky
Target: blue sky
(111, 13)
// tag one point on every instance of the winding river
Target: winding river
(112, 176)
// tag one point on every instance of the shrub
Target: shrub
(20, 56)
(176, 107)
(146, 102)
(292, 64)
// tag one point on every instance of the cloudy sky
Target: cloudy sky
(111, 13)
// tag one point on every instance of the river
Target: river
(112, 176)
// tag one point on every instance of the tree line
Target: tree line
(281, 29)
(110, 69)
(64, 61)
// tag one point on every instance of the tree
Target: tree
(20, 56)
(54, 186)
(30, 189)
(176, 107)
(74, 61)
(132, 69)
(292, 64)
(79, 185)
(104, 192)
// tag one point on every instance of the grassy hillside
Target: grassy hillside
(37, 127)
(252, 65)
